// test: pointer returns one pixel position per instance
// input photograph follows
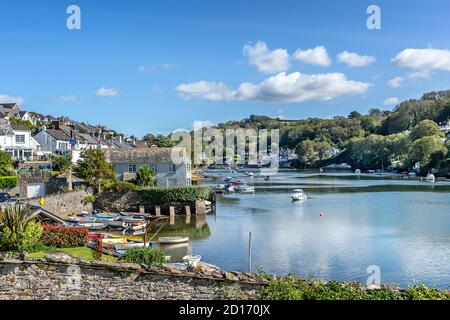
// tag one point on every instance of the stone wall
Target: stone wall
(63, 204)
(131, 201)
(61, 280)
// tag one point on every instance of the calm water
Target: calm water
(400, 225)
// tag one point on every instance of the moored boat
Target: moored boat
(93, 226)
(244, 189)
(172, 240)
(298, 195)
(430, 177)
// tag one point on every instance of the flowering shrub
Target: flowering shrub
(64, 237)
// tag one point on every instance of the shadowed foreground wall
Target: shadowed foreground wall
(58, 281)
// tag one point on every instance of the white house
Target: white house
(26, 116)
(55, 141)
(16, 140)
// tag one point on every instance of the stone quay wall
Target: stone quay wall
(68, 280)
(64, 204)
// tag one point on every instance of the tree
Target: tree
(94, 168)
(145, 177)
(6, 164)
(425, 128)
(62, 164)
(425, 149)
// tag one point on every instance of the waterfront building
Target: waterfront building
(171, 165)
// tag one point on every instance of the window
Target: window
(132, 168)
(20, 138)
(188, 182)
(188, 167)
(172, 168)
(154, 167)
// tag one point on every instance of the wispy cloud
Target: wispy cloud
(107, 92)
(148, 69)
(396, 82)
(354, 60)
(65, 99)
(392, 101)
(283, 88)
(5, 98)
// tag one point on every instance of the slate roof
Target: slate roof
(20, 127)
(145, 155)
(58, 134)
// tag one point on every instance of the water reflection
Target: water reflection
(401, 225)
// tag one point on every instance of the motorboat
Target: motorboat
(430, 177)
(220, 188)
(358, 171)
(173, 240)
(250, 174)
(298, 195)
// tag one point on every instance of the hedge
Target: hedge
(8, 182)
(159, 195)
(64, 237)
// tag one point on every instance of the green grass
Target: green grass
(83, 253)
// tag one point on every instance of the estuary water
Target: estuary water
(348, 223)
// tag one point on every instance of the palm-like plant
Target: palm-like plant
(18, 230)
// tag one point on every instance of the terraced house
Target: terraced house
(171, 165)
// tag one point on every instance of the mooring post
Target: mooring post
(188, 214)
(172, 215)
(141, 209)
(250, 252)
(158, 211)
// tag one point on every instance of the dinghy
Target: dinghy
(172, 240)
(125, 244)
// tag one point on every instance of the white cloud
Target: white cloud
(4, 98)
(423, 59)
(396, 82)
(284, 88)
(354, 60)
(267, 61)
(165, 66)
(206, 90)
(422, 74)
(107, 92)
(391, 101)
(64, 99)
(317, 56)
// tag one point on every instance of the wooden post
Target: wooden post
(158, 211)
(250, 252)
(141, 209)
(172, 215)
(188, 214)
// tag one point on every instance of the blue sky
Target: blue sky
(155, 66)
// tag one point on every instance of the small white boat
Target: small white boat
(229, 188)
(250, 174)
(192, 260)
(93, 226)
(172, 240)
(124, 244)
(298, 195)
(358, 171)
(244, 189)
(430, 177)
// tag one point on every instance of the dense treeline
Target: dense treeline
(406, 137)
